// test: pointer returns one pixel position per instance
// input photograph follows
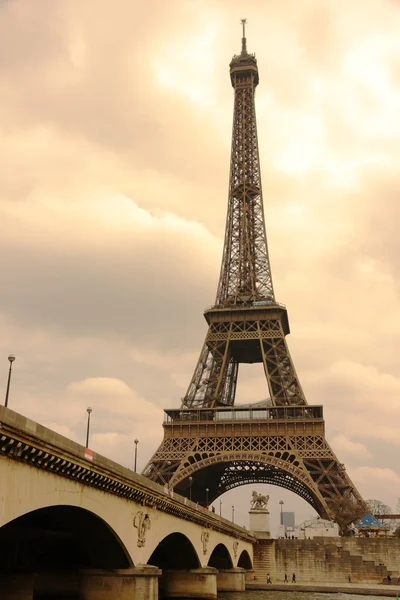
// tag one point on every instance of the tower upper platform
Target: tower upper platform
(243, 64)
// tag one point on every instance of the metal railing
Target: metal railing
(278, 413)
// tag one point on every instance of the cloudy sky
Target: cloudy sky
(115, 124)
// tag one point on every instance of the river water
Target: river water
(273, 595)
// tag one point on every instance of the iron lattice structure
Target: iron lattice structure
(208, 444)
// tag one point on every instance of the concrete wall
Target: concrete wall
(380, 550)
(264, 559)
(25, 488)
(328, 559)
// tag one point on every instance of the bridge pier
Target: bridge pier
(56, 583)
(16, 586)
(249, 575)
(191, 583)
(231, 580)
(135, 583)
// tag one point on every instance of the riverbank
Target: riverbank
(362, 589)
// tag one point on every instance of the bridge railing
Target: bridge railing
(225, 414)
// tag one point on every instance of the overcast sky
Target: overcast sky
(115, 126)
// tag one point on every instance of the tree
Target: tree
(397, 532)
(377, 507)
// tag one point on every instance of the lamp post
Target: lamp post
(281, 502)
(220, 508)
(233, 514)
(11, 359)
(136, 443)
(88, 410)
(207, 490)
(168, 472)
(190, 488)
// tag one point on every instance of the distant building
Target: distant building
(316, 528)
(289, 523)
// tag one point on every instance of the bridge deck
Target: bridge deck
(25, 440)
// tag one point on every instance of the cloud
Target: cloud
(115, 146)
(343, 446)
(377, 483)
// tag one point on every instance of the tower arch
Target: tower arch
(221, 474)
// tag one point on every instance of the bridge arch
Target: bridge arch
(61, 536)
(220, 558)
(175, 551)
(220, 473)
(244, 560)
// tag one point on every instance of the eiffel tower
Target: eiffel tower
(210, 445)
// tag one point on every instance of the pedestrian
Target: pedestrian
(389, 579)
(294, 578)
(349, 578)
(286, 578)
(269, 580)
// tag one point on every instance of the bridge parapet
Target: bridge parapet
(27, 441)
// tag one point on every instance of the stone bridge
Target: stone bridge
(74, 521)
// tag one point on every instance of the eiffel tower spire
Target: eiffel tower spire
(245, 273)
(246, 324)
(209, 443)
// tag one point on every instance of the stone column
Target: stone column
(259, 521)
(16, 586)
(191, 583)
(231, 580)
(136, 583)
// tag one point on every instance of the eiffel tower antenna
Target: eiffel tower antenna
(244, 48)
(209, 443)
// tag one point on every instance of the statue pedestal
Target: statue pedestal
(259, 521)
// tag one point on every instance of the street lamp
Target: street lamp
(136, 443)
(88, 410)
(281, 502)
(190, 487)
(11, 359)
(220, 508)
(207, 490)
(233, 514)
